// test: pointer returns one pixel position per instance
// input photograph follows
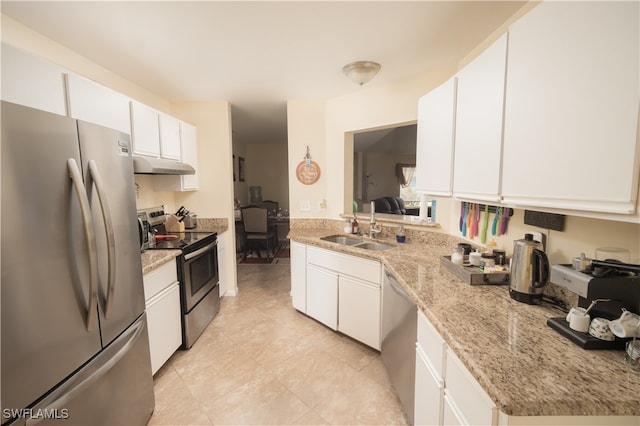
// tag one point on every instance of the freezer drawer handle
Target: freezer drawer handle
(96, 368)
(96, 181)
(76, 179)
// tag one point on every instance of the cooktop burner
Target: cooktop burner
(180, 240)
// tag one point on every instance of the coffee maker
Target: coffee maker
(619, 287)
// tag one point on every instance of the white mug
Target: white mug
(579, 319)
(627, 325)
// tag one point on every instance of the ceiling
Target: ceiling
(259, 54)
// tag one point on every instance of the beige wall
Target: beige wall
(306, 127)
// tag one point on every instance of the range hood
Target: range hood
(160, 166)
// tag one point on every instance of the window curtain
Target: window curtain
(404, 173)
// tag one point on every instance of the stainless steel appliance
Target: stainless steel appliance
(197, 273)
(529, 270)
(399, 335)
(74, 334)
(619, 288)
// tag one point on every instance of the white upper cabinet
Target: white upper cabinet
(189, 154)
(169, 137)
(145, 130)
(92, 102)
(434, 150)
(32, 81)
(478, 130)
(571, 112)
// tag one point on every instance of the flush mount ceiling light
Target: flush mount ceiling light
(361, 71)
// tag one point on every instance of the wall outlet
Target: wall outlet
(323, 204)
(305, 205)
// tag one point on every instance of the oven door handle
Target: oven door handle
(200, 251)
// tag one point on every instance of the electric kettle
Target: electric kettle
(529, 271)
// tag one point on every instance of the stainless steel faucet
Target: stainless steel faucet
(373, 229)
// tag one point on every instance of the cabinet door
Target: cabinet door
(478, 136)
(223, 272)
(145, 130)
(429, 393)
(189, 154)
(169, 137)
(451, 415)
(298, 276)
(322, 296)
(434, 150)
(571, 108)
(463, 389)
(32, 81)
(359, 310)
(163, 322)
(92, 102)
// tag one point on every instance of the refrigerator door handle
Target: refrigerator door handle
(57, 400)
(76, 179)
(96, 180)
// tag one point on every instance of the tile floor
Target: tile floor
(261, 362)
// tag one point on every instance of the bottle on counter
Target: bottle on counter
(354, 225)
(347, 227)
(400, 237)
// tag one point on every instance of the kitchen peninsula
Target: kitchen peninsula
(526, 368)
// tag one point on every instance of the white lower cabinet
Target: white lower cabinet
(299, 276)
(445, 392)
(339, 290)
(162, 301)
(429, 393)
(359, 310)
(452, 415)
(322, 296)
(472, 403)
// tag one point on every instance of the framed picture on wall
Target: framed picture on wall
(233, 165)
(241, 169)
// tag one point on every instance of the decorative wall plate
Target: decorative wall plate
(308, 174)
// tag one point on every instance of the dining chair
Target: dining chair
(257, 230)
(271, 206)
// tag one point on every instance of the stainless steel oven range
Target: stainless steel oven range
(197, 272)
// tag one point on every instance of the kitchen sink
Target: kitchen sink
(370, 245)
(341, 239)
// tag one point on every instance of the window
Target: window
(407, 181)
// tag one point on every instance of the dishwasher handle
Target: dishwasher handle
(395, 286)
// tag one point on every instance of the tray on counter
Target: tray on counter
(473, 274)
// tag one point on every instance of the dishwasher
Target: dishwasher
(398, 347)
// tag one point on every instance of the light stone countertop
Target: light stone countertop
(152, 259)
(527, 368)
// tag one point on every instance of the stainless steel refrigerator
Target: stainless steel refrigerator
(74, 345)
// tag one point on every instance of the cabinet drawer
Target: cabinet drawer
(159, 279)
(469, 397)
(433, 346)
(365, 269)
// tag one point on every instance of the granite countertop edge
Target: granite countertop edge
(524, 366)
(153, 259)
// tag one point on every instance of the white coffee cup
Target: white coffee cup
(579, 319)
(626, 326)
